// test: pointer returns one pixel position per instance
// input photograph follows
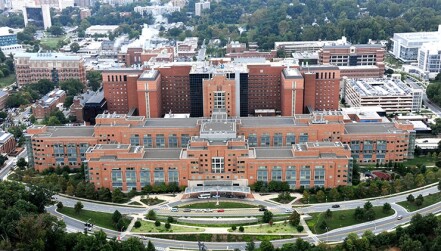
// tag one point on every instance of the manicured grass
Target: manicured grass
(222, 204)
(342, 218)
(149, 227)
(97, 218)
(221, 237)
(9, 80)
(275, 228)
(51, 42)
(420, 160)
(428, 200)
(152, 201)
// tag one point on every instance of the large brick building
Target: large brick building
(57, 67)
(179, 88)
(304, 150)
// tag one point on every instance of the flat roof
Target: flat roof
(172, 122)
(371, 128)
(273, 153)
(155, 153)
(68, 131)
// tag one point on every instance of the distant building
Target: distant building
(393, 95)
(406, 45)
(101, 29)
(429, 58)
(43, 107)
(7, 37)
(7, 142)
(32, 67)
(3, 97)
(38, 16)
(355, 61)
(198, 7)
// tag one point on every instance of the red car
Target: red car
(220, 210)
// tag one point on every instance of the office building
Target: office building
(304, 150)
(43, 107)
(7, 142)
(393, 95)
(429, 58)
(199, 7)
(406, 45)
(355, 61)
(57, 67)
(7, 37)
(39, 16)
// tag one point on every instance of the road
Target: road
(376, 226)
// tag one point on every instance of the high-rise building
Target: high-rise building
(31, 67)
(39, 16)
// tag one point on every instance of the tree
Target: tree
(306, 196)
(294, 218)
(116, 216)
(266, 246)
(21, 163)
(150, 246)
(250, 246)
(94, 79)
(117, 196)
(60, 205)
(386, 207)
(151, 215)
(321, 196)
(267, 216)
(74, 47)
(334, 194)
(78, 207)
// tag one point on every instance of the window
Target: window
(290, 139)
(262, 174)
(278, 139)
(217, 165)
(276, 173)
(265, 139)
(172, 140)
(148, 140)
(160, 141)
(134, 139)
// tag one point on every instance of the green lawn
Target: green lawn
(342, 218)
(7, 80)
(51, 42)
(222, 204)
(275, 228)
(420, 160)
(97, 218)
(428, 200)
(149, 227)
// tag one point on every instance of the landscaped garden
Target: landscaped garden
(330, 220)
(413, 204)
(222, 204)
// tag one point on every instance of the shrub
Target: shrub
(157, 223)
(137, 224)
(241, 229)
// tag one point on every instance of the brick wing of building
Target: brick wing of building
(303, 150)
